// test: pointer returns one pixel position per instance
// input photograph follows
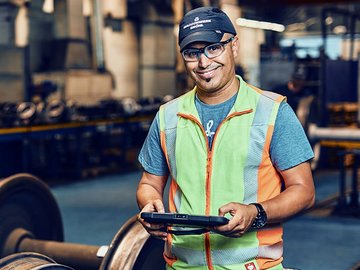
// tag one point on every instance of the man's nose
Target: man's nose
(204, 61)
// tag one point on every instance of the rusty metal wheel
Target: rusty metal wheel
(26, 202)
(133, 249)
(30, 261)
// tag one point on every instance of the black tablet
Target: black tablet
(184, 219)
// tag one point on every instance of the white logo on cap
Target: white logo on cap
(197, 23)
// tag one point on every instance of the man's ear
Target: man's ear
(235, 46)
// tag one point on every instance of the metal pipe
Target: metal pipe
(352, 37)
(98, 29)
(341, 204)
(358, 90)
(77, 256)
(354, 196)
(81, 257)
(316, 133)
(322, 88)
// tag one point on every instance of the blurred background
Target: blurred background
(81, 81)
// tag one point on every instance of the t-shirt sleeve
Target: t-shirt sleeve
(151, 156)
(289, 146)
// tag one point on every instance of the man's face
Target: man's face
(213, 74)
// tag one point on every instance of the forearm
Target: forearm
(146, 193)
(149, 198)
(299, 194)
(150, 189)
(290, 202)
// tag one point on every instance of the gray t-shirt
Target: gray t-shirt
(289, 145)
(212, 115)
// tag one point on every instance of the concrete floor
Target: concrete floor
(93, 210)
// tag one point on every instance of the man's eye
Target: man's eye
(191, 54)
(214, 48)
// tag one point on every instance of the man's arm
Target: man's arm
(299, 194)
(149, 197)
(150, 190)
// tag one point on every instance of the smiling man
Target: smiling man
(230, 149)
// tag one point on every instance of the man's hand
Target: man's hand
(243, 217)
(156, 230)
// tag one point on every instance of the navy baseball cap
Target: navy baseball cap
(204, 24)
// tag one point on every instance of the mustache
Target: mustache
(209, 68)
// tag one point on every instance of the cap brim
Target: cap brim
(201, 36)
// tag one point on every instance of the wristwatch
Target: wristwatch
(261, 218)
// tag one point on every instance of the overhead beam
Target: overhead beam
(293, 2)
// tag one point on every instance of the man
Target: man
(294, 89)
(231, 149)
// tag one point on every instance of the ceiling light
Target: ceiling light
(339, 29)
(87, 8)
(48, 6)
(329, 20)
(260, 25)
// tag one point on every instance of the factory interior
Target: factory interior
(81, 82)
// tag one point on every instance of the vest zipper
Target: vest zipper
(209, 171)
(207, 185)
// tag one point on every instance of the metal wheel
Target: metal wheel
(26, 202)
(30, 261)
(133, 249)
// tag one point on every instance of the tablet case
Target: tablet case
(184, 219)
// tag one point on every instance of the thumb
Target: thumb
(227, 208)
(159, 206)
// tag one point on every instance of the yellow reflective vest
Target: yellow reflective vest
(237, 168)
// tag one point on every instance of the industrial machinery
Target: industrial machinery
(30, 221)
(30, 261)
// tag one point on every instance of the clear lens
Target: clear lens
(211, 51)
(214, 50)
(190, 54)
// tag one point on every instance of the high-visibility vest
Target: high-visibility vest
(237, 168)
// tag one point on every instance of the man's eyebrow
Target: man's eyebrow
(204, 45)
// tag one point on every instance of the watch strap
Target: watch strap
(258, 207)
(261, 217)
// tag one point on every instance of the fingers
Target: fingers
(159, 206)
(228, 208)
(155, 230)
(154, 206)
(239, 224)
(233, 229)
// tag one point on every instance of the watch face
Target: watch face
(261, 218)
(260, 222)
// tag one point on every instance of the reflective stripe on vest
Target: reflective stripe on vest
(168, 116)
(262, 115)
(255, 172)
(228, 256)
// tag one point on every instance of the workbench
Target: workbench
(121, 134)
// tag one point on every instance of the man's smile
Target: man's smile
(207, 74)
